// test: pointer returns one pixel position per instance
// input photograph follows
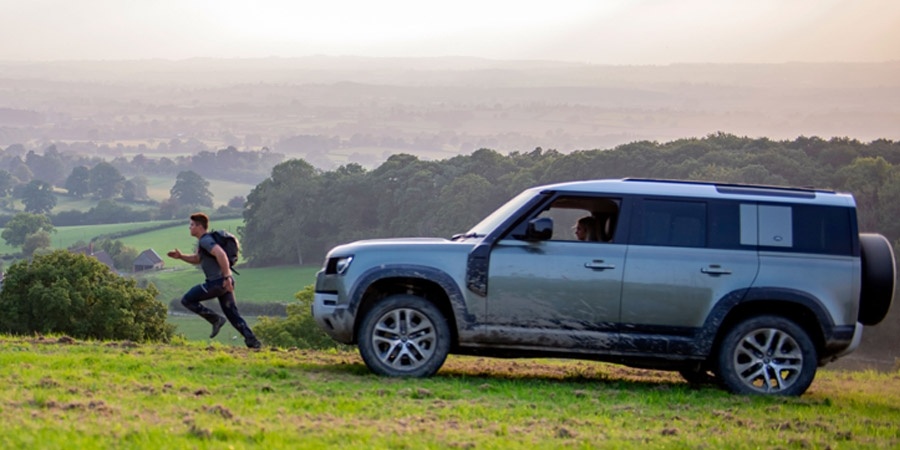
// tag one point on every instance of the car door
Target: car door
(684, 256)
(557, 293)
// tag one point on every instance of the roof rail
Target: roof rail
(742, 188)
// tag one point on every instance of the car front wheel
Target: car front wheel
(404, 336)
(767, 355)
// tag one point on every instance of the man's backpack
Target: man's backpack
(230, 244)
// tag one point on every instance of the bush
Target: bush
(299, 329)
(77, 295)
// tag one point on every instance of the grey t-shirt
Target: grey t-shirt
(208, 262)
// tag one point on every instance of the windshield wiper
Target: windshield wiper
(466, 236)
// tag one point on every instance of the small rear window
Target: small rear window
(823, 229)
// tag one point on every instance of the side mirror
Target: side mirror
(540, 229)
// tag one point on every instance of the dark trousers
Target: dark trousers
(212, 289)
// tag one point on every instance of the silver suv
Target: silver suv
(750, 286)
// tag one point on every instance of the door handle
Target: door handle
(598, 264)
(715, 269)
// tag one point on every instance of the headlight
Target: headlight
(338, 265)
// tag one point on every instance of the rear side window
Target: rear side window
(672, 223)
(806, 229)
(823, 229)
(794, 228)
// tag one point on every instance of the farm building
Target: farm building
(148, 260)
(101, 255)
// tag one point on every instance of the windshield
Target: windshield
(497, 217)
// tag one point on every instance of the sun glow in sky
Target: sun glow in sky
(595, 31)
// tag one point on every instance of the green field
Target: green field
(66, 236)
(165, 239)
(161, 240)
(257, 285)
(62, 393)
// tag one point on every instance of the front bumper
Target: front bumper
(334, 320)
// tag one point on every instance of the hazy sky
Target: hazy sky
(595, 31)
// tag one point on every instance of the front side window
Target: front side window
(583, 218)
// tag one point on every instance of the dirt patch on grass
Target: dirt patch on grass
(551, 369)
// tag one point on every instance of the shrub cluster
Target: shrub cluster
(299, 329)
(76, 295)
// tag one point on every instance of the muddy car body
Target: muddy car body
(753, 286)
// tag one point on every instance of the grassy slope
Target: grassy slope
(196, 395)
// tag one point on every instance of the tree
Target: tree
(49, 167)
(21, 225)
(462, 203)
(122, 255)
(38, 197)
(20, 171)
(79, 182)
(35, 241)
(191, 189)
(135, 189)
(281, 223)
(6, 183)
(74, 294)
(865, 178)
(106, 181)
(237, 202)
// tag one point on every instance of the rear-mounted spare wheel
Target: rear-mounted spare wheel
(878, 275)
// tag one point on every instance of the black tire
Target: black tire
(767, 355)
(404, 336)
(878, 277)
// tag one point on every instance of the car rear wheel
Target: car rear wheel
(767, 355)
(404, 336)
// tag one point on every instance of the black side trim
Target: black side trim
(706, 336)
(477, 267)
(843, 333)
(425, 273)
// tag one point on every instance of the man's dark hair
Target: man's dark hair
(201, 219)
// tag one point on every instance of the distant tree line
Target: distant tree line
(37, 179)
(55, 162)
(298, 212)
(31, 176)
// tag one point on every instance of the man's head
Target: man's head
(199, 224)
